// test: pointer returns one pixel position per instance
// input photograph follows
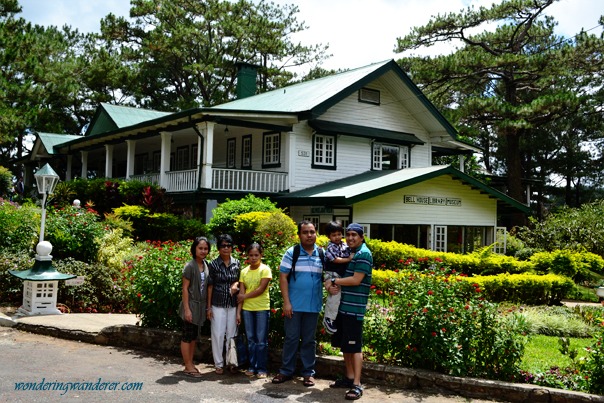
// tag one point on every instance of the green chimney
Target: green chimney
(246, 80)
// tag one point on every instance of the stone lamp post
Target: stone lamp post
(41, 282)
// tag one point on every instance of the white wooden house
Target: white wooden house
(355, 146)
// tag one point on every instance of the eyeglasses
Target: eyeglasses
(226, 245)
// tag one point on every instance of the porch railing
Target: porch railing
(181, 181)
(153, 178)
(248, 181)
(222, 179)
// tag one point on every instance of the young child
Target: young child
(254, 304)
(337, 258)
(193, 305)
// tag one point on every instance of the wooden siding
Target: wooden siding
(476, 209)
(353, 156)
(389, 115)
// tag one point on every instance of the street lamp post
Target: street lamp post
(40, 286)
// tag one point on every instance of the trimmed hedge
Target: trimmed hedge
(531, 289)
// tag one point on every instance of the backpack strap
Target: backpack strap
(295, 257)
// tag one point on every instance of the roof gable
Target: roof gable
(112, 117)
(50, 140)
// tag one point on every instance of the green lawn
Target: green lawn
(543, 352)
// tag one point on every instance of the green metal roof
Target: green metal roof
(303, 96)
(351, 190)
(50, 140)
(110, 117)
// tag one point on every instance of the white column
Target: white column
(462, 165)
(290, 146)
(68, 170)
(109, 160)
(164, 164)
(207, 130)
(131, 144)
(84, 164)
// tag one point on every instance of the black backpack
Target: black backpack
(295, 257)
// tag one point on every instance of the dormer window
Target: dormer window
(369, 96)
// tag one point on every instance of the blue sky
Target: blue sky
(359, 32)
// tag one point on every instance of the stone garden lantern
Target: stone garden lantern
(41, 282)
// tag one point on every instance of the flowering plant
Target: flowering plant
(432, 319)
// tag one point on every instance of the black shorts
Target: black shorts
(349, 337)
(190, 332)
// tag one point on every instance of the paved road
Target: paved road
(46, 361)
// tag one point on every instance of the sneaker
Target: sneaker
(329, 325)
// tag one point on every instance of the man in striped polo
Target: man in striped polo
(355, 287)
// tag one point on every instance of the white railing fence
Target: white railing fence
(249, 181)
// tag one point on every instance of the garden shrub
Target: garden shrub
(593, 366)
(576, 265)
(74, 233)
(524, 288)
(19, 226)
(393, 255)
(432, 320)
(6, 182)
(11, 287)
(101, 292)
(154, 282)
(114, 249)
(245, 226)
(569, 228)
(223, 216)
(159, 226)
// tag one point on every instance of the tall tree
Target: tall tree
(39, 80)
(185, 52)
(502, 85)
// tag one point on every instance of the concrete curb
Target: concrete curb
(168, 342)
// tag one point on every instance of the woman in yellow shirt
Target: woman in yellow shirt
(254, 306)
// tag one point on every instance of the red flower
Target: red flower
(430, 292)
(379, 292)
(433, 334)
(139, 295)
(443, 330)
(467, 307)
(425, 310)
(372, 287)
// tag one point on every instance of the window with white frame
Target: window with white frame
(246, 152)
(389, 157)
(314, 219)
(271, 150)
(230, 153)
(324, 151)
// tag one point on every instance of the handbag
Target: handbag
(237, 354)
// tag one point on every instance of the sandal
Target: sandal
(308, 381)
(342, 383)
(354, 393)
(280, 378)
(233, 370)
(192, 373)
(219, 371)
(249, 373)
